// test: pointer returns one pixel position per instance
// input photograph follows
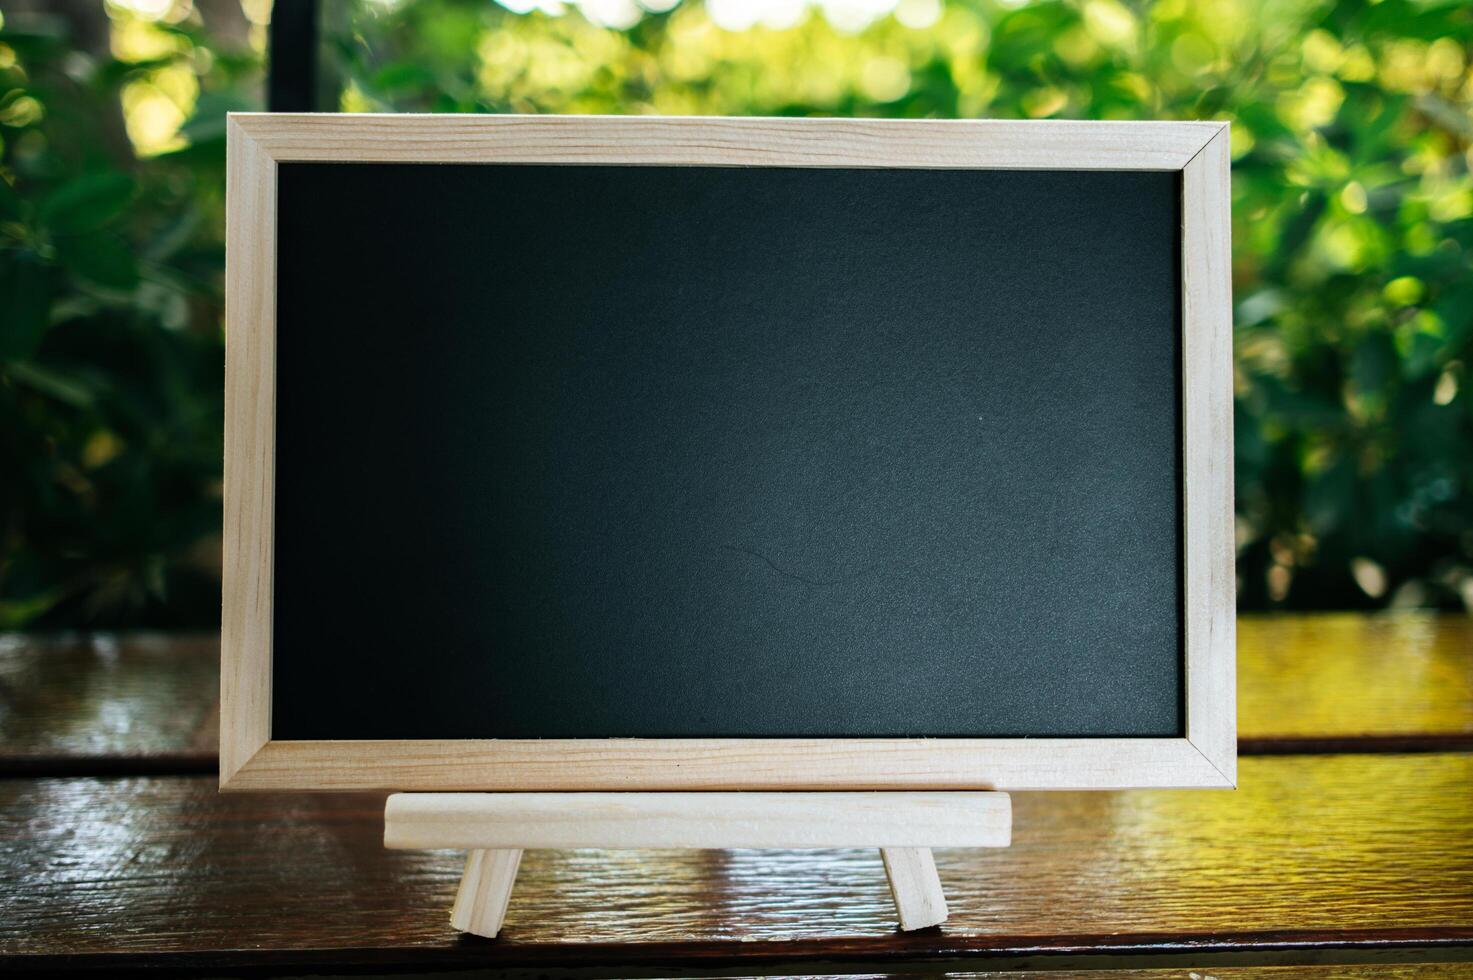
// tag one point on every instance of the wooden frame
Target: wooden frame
(1205, 757)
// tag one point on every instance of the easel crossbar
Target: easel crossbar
(696, 820)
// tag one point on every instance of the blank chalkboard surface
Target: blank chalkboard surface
(615, 451)
(638, 453)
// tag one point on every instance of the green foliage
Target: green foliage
(1353, 224)
(111, 366)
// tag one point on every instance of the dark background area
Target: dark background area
(1352, 205)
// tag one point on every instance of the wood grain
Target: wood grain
(727, 820)
(1209, 578)
(145, 704)
(1367, 853)
(485, 891)
(1352, 677)
(675, 141)
(732, 764)
(105, 703)
(250, 449)
(915, 887)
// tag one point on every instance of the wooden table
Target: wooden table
(1349, 845)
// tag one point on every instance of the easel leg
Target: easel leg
(485, 888)
(915, 886)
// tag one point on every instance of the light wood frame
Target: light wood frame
(1205, 757)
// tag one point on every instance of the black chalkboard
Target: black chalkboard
(600, 451)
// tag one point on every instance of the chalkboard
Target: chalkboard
(569, 452)
(658, 454)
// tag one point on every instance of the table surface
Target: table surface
(1349, 844)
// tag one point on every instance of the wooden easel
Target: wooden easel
(496, 827)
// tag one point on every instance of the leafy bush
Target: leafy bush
(1353, 223)
(111, 360)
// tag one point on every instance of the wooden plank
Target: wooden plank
(250, 449)
(730, 764)
(689, 820)
(1350, 677)
(675, 141)
(1360, 853)
(92, 704)
(104, 703)
(1207, 456)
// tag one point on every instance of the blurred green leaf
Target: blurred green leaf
(53, 384)
(1373, 363)
(208, 122)
(25, 299)
(9, 201)
(403, 75)
(101, 257)
(86, 203)
(16, 613)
